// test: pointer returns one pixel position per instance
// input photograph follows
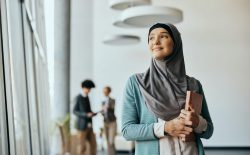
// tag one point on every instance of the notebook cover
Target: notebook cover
(194, 101)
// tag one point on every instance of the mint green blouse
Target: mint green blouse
(138, 121)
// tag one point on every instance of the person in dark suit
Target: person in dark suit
(84, 115)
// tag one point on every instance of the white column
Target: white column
(60, 107)
(81, 48)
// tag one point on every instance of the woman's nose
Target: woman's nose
(156, 41)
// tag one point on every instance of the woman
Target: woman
(153, 113)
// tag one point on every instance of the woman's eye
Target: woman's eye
(164, 36)
(150, 38)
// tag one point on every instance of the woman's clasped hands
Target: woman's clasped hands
(183, 126)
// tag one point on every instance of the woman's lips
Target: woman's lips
(157, 49)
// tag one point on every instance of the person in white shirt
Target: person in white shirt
(110, 126)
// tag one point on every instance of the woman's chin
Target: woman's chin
(158, 57)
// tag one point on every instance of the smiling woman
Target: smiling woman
(153, 106)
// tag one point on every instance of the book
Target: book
(193, 101)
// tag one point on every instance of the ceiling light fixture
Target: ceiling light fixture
(124, 4)
(121, 24)
(146, 15)
(121, 39)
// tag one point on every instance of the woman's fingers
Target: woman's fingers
(189, 116)
(179, 126)
(183, 124)
(186, 114)
(183, 116)
(189, 123)
(189, 129)
(183, 127)
(187, 119)
(185, 132)
(185, 111)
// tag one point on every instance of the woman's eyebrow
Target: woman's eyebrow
(160, 32)
(164, 32)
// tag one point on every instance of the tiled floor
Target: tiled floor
(228, 152)
(208, 152)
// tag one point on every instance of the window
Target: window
(24, 92)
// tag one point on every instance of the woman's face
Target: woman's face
(160, 43)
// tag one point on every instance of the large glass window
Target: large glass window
(17, 81)
(26, 85)
(31, 85)
(3, 122)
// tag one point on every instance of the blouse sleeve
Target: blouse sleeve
(131, 127)
(205, 114)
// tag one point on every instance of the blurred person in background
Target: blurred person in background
(110, 126)
(84, 124)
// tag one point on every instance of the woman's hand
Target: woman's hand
(190, 116)
(178, 127)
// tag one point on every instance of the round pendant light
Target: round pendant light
(121, 39)
(145, 16)
(124, 4)
(121, 24)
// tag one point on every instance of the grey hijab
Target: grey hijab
(165, 83)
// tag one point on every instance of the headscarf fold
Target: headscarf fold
(165, 83)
